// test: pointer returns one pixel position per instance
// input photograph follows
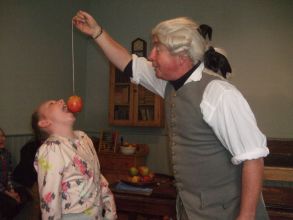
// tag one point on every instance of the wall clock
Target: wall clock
(138, 47)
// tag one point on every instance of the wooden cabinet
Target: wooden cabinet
(132, 105)
(161, 204)
(115, 166)
(278, 173)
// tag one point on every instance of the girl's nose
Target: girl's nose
(61, 101)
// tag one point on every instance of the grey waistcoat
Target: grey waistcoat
(208, 184)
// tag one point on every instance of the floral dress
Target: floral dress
(70, 181)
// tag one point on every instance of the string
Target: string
(72, 53)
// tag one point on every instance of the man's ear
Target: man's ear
(183, 59)
(44, 123)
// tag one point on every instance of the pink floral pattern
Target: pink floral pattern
(46, 200)
(82, 166)
(48, 197)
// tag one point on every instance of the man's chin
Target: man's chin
(158, 75)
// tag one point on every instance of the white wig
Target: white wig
(181, 36)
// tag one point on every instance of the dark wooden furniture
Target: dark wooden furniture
(161, 204)
(115, 166)
(278, 171)
(279, 202)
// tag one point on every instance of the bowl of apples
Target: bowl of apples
(140, 176)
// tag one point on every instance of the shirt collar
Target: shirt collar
(178, 83)
(194, 74)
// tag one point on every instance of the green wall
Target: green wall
(35, 58)
(256, 34)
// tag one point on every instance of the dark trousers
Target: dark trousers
(9, 207)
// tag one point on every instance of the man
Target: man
(209, 122)
(70, 183)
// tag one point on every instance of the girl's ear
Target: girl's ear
(43, 123)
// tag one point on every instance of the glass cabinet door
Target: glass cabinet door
(147, 108)
(121, 98)
(132, 105)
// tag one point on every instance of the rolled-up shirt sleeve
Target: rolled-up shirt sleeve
(228, 113)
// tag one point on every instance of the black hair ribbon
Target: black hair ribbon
(217, 62)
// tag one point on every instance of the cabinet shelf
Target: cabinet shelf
(121, 105)
(145, 105)
(121, 84)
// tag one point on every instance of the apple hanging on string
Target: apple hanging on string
(74, 104)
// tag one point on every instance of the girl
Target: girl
(70, 183)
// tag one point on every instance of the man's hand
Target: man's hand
(86, 24)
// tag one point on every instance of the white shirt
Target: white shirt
(223, 108)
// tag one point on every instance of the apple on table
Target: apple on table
(135, 179)
(133, 171)
(143, 170)
(141, 174)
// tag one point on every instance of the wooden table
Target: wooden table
(160, 204)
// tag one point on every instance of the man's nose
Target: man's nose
(151, 55)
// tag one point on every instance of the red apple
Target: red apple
(143, 170)
(74, 104)
(151, 175)
(146, 179)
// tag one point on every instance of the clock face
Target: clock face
(139, 47)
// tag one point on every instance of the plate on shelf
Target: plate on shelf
(140, 184)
